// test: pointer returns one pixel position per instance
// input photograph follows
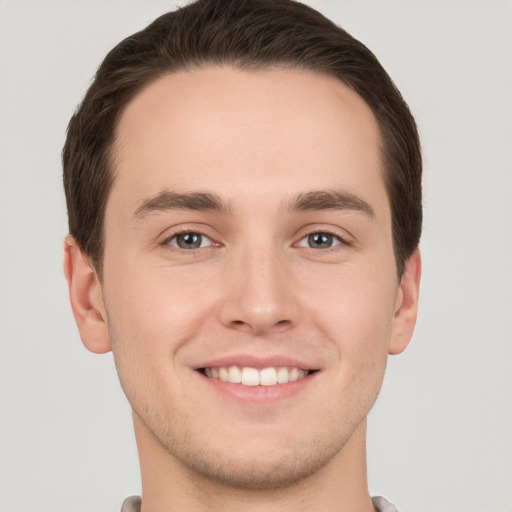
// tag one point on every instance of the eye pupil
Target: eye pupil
(189, 240)
(320, 240)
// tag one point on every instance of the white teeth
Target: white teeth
(223, 374)
(234, 375)
(268, 377)
(253, 377)
(293, 375)
(250, 377)
(282, 375)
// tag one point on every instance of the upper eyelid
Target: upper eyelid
(340, 233)
(326, 232)
(167, 240)
(342, 240)
(175, 231)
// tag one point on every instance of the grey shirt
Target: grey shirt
(133, 503)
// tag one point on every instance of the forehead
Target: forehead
(248, 133)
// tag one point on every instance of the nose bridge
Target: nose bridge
(258, 296)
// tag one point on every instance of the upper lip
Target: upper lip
(275, 361)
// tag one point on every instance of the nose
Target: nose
(259, 296)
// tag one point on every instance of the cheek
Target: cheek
(355, 314)
(153, 310)
(150, 318)
(362, 337)
(359, 301)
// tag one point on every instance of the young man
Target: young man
(244, 196)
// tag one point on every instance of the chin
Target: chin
(260, 472)
(256, 461)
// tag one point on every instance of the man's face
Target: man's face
(248, 236)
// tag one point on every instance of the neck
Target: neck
(168, 485)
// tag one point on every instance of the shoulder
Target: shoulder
(131, 504)
(383, 505)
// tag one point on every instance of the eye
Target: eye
(189, 240)
(320, 241)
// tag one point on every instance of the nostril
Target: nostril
(279, 325)
(260, 323)
(241, 326)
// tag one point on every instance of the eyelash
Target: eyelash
(341, 241)
(184, 231)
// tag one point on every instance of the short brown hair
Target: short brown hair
(254, 34)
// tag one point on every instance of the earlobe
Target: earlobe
(86, 298)
(406, 305)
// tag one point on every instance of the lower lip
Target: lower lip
(259, 394)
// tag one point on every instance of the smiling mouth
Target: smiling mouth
(248, 376)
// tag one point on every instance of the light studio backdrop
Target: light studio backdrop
(440, 434)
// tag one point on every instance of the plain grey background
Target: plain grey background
(440, 434)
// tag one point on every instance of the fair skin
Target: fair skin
(248, 226)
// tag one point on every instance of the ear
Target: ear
(406, 308)
(86, 298)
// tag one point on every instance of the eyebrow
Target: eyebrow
(206, 201)
(330, 200)
(166, 200)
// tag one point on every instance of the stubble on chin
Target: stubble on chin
(270, 468)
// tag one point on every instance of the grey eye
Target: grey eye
(320, 241)
(190, 240)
